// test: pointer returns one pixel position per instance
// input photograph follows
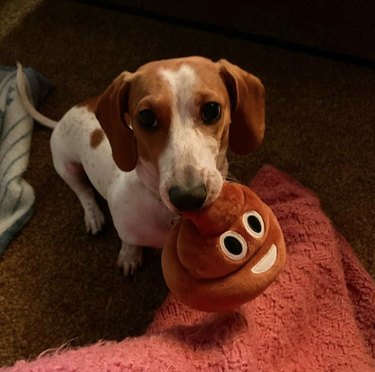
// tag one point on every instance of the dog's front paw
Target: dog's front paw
(130, 258)
(94, 218)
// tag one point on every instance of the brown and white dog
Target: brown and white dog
(154, 144)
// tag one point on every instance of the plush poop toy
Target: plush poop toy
(220, 257)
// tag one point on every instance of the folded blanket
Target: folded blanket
(319, 315)
(16, 195)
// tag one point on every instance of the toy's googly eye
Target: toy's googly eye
(254, 224)
(233, 245)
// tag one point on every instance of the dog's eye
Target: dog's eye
(147, 120)
(210, 112)
(254, 224)
(233, 245)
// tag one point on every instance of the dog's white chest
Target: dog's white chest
(139, 215)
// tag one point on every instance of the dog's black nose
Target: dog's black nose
(187, 199)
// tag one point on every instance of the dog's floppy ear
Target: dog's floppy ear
(110, 112)
(246, 94)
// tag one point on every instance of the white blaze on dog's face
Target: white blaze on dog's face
(181, 125)
(192, 156)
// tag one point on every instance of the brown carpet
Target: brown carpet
(59, 285)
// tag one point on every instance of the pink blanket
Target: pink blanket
(318, 316)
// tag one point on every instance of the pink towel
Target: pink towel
(318, 316)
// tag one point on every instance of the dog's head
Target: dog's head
(172, 121)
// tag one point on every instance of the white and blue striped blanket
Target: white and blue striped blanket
(16, 195)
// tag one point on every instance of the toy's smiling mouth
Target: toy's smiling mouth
(266, 262)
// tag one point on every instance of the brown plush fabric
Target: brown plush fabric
(57, 284)
(204, 271)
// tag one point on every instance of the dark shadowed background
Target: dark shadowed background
(59, 285)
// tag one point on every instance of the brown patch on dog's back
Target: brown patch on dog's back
(97, 137)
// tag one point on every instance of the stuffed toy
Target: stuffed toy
(217, 258)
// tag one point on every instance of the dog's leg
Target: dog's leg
(74, 175)
(68, 166)
(129, 258)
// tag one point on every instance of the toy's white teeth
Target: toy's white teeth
(266, 262)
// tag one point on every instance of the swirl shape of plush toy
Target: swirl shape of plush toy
(220, 257)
